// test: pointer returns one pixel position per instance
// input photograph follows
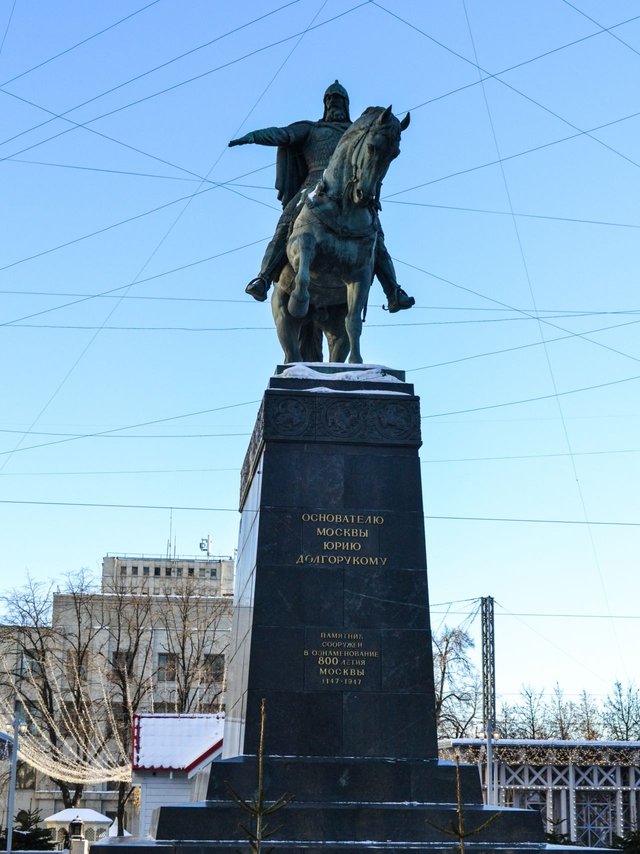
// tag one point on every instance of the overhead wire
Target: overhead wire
(545, 349)
(164, 420)
(86, 125)
(386, 325)
(509, 86)
(535, 399)
(524, 62)
(515, 213)
(8, 455)
(115, 291)
(508, 157)
(8, 26)
(603, 29)
(79, 44)
(503, 304)
(143, 74)
(431, 517)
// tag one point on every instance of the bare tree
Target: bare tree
(47, 663)
(561, 716)
(193, 632)
(621, 713)
(125, 649)
(457, 684)
(530, 715)
(588, 718)
(83, 661)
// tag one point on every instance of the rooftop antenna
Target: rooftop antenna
(170, 532)
(206, 545)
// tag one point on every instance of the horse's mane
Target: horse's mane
(360, 124)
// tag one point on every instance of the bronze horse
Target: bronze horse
(324, 287)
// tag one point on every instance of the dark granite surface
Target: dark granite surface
(331, 627)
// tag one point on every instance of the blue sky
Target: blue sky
(130, 230)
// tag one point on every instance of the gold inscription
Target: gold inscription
(343, 518)
(342, 539)
(341, 659)
(346, 560)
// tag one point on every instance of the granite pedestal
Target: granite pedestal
(331, 628)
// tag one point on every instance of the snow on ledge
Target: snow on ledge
(363, 373)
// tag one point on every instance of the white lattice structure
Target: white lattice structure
(587, 791)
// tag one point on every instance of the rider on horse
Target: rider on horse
(304, 150)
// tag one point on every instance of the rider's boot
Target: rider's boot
(274, 260)
(384, 271)
(398, 300)
(258, 288)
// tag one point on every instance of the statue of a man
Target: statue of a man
(304, 150)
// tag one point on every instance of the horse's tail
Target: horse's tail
(310, 338)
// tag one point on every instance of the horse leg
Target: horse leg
(336, 334)
(357, 292)
(299, 297)
(286, 326)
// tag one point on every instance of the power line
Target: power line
(78, 44)
(572, 616)
(522, 346)
(554, 395)
(528, 61)
(132, 426)
(508, 85)
(530, 456)
(6, 29)
(520, 215)
(139, 281)
(144, 73)
(234, 510)
(112, 472)
(533, 521)
(603, 29)
(387, 325)
(507, 157)
(522, 311)
(86, 125)
(560, 312)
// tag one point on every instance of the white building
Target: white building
(161, 575)
(171, 759)
(166, 621)
(586, 791)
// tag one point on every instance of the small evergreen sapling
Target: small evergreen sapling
(257, 807)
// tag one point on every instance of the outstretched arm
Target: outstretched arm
(274, 136)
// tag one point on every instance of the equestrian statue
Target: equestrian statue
(328, 243)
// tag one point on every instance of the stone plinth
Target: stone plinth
(331, 628)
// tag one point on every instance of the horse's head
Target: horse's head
(377, 144)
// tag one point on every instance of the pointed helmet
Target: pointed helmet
(336, 88)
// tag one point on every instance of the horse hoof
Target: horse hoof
(297, 307)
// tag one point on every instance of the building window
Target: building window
(123, 569)
(122, 661)
(190, 572)
(214, 667)
(167, 662)
(156, 571)
(213, 573)
(201, 572)
(167, 571)
(145, 570)
(134, 570)
(179, 571)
